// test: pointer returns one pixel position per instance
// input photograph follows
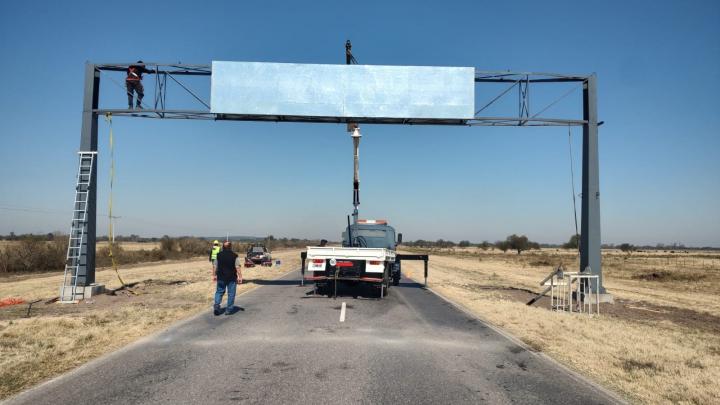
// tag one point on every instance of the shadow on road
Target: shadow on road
(409, 284)
(272, 282)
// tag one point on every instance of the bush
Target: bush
(168, 244)
(193, 246)
(517, 243)
(34, 254)
(573, 243)
(502, 245)
(122, 256)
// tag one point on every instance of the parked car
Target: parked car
(258, 254)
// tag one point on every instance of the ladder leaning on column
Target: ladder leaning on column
(77, 244)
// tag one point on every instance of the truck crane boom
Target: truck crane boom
(356, 172)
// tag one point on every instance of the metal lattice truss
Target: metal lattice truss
(517, 82)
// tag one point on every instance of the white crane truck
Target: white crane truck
(365, 265)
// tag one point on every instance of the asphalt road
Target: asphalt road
(412, 347)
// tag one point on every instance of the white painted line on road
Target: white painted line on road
(342, 312)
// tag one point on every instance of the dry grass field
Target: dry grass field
(59, 337)
(133, 246)
(658, 343)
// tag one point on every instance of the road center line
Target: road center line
(342, 312)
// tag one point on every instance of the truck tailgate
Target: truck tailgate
(329, 252)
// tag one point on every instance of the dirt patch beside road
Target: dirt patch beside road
(659, 342)
(638, 311)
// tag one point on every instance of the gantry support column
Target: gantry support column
(590, 252)
(89, 143)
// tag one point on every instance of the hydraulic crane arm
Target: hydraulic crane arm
(356, 172)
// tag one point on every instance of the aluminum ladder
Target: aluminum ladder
(77, 245)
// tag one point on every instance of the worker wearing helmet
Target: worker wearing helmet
(212, 255)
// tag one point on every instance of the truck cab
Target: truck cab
(370, 234)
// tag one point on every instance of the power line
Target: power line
(69, 212)
(27, 209)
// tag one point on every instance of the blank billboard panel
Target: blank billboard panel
(342, 91)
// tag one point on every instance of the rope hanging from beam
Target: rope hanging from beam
(111, 233)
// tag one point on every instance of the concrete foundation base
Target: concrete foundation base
(607, 298)
(81, 292)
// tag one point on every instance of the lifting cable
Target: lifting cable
(111, 242)
(572, 184)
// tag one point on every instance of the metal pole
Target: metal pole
(303, 256)
(590, 233)
(89, 143)
(426, 271)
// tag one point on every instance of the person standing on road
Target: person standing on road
(212, 255)
(228, 274)
(133, 82)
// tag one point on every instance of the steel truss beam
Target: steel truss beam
(522, 80)
(590, 235)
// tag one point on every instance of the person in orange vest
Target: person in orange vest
(133, 82)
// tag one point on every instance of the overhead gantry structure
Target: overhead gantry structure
(521, 81)
(81, 253)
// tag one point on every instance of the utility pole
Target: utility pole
(590, 243)
(113, 226)
(89, 143)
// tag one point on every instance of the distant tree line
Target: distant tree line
(39, 253)
(12, 236)
(42, 236)
(271, 242)
(521, 243)
(518, 243)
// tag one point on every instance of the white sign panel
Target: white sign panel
(346, 91)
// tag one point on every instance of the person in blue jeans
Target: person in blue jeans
(228, 274)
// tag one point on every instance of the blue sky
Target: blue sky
(658, 67)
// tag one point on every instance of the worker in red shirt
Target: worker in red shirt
(133, 82)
